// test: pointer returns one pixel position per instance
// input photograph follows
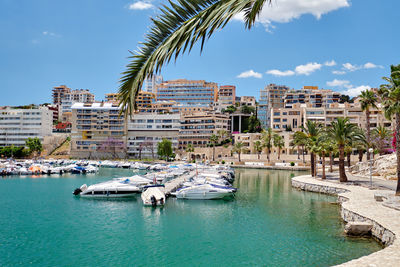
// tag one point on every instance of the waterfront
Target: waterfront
(268, 223)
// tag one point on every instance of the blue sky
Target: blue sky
(339, 44)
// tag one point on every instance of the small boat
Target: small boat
(205, 191)
(154, 195)
(114, 188)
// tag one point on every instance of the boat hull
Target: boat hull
(205, 195)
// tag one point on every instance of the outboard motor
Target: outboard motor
(77, 191)
(153, 201)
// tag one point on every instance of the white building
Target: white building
(151, 83)
(145, 130)
(17, 125)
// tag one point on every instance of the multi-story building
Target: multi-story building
(311, 95)
(272, 96)
(150, 84)
(98, 131)
(248, 101)
(188, 92)
(144, 100)
(82, 96)
(226, 95)
(145, 130)
(112, 97)
(197, 127)
(59, 92)
(17, 125)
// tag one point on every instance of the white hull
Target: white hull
(203, 195)
(111, 196)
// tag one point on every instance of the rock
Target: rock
(358, 228)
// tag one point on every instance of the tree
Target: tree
(247, 109)
(164, 149)
(267, 137)
(258, 147)
(343, 133)
(254, 124)
(237, 148)
(214, 139)
(300, 140)
(312, 130)
(230, 109)
(189, 149)
(177, 28)
(112, 146)
(34, 145)
(279, 142)
(381, 137)
(323, 146)
(390, 94)
(368, 100)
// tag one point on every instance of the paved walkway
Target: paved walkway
(361, 206)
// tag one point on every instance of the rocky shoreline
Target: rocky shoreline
(359, 204)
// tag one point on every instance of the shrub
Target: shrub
(292, 163)
(223, 162)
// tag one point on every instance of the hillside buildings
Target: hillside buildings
(151, 83)
(17, 125)
(270, 97)
(226, 95)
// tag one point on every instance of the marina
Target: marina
(267, 223)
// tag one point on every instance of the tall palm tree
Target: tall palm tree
(323, 146)
(381, 135)
(343, 133)
(312, 130)
(258, 147)
(300, 140)
(237, 148)
(390, 94)
(177, 28)
(279, 142)
(214, 139)
(267, 137)
(368, 100)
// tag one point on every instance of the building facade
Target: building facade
(146, 130)
(98, 131)
(150, 84)
(17, 125)
(188, 92)
(226, 95)
(272, 96)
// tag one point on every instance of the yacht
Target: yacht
(114, 188)
(205, 191)
(154, 195)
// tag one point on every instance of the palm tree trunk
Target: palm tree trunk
(360, 155)
(279, 153)
(323, 165)
(304, 157)
(348, 159)
(312, 164)
(213, 152)
(298, 154)
(268, 154)
(315, 165)
(258, 154)
(342, 172)
(398, 152)
(239, 157)
(368, 132)
(331, 161)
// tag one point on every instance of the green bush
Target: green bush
(223, 162)
(292, 163)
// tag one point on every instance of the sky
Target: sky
(342, 45)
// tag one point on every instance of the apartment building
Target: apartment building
(112, 97)
(188, 92)
(197, 127)
(311, 95)
(59, 92)
(272, 96)
(150, 84)
(144, 99)
(226, 95)
(17, 125)
(248, 140)
(97, 131)
(145, 130)
(248, 101)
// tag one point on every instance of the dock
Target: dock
(175, 183)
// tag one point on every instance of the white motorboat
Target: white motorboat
(205, 191)
(154, 195)
(114, 188)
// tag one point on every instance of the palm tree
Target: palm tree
(177, 28)
(343, 133)
(279, 142)
(237, 148)
(390, 94)
(381, 135)
(267, 137)
(189, 150)
(258, 147)
(323, 146)
(312, 131)
(368, 100)
(300, 140)
(214, 139)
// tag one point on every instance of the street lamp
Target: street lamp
(370, 167)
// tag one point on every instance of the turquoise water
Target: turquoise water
(267, 224)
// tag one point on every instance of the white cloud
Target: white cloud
(350, 67)
(52, 34)
(140, 5)
(356, 91)
(281, 73)
(370, 65)
(250, 73)
(308, 68)
(338, 72)
(284, 11)
(340, 83)
(330, 63)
